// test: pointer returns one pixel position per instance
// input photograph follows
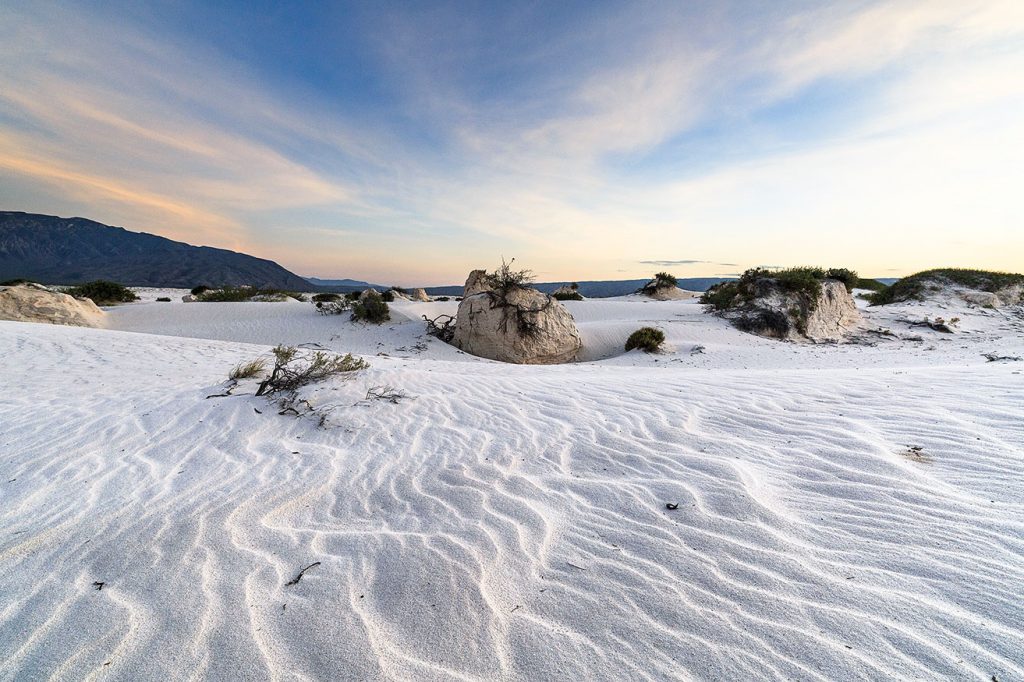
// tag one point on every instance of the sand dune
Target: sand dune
(510, 522)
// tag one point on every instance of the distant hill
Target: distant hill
(53, 250)
(344, 285)
(599, 288)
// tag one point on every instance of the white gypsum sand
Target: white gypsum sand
(844, 511)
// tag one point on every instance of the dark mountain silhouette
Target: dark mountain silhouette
(53, 250)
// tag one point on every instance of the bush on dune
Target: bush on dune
(804, 281)
(247, 370)
(505, 279)
(292, 371)
(647, 339)
(917, 285)
(103, 292)
(241, 294)
(372, 308)
(567, 296)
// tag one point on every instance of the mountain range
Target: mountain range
(53, 250)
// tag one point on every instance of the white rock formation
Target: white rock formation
(475, 283)
(789, 315)
(566, 290)
(660, 291)
(521, 326)
(35, 303)
(420, 295)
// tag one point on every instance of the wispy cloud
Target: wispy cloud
(671, 263)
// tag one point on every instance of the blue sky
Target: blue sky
(411, 142)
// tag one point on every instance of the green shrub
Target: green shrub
(103, 292)
(443, 298)
(15, 282)
(326, 298)
(917, 285)
(721, 296)
(227, 294)
(163, 299)
(663, 280)
(352, 296)
(844, 275)
(247, 370)
(647, 339)
(388, 296)
(293, 371)
(803, 281)
(201, 289)
(505, 279)
(233, 294)
(372, 308)
(567, 296)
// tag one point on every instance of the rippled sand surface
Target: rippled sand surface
(841, 512)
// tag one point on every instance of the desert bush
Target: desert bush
(400, 290)
(574, 286)
(663, 280)
(15, 282)
(388, 296)
(845, 275)
(103, 292)
(247, 370)
(201, 289)
(326, 298)
(292, 371)
(442, 326)
(721, 296)
(804, 281)
(567, 296)
(647, 339)
(163, 299)
(241, 294)
(505, 279)
(372, 308)
(333, 307)
(917, 285)
(227, 294)
(443, 298)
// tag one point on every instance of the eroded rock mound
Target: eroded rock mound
(663, 288)
(797, 304)
(475, 283)
(420, 295)
(35, 303)
(515, 324)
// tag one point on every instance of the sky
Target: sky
(408, 143)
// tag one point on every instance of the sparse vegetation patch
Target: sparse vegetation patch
(103, 292)
(567, 296)
(293, 370)
(917, 286)
(647, 339)
(371, 308)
